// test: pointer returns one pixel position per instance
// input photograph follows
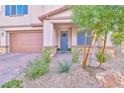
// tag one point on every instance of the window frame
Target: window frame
(83, 38)
(17, 13)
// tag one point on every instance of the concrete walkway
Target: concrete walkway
(12, 65)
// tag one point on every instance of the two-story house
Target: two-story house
(29, 28)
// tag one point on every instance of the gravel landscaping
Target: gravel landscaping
(76, 78)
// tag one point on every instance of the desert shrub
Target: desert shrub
(102, 57)
(58, 49)
(46, 55)
(13, 84)
(69, 49)
(75, 55)
(64, 67)
(36, 69)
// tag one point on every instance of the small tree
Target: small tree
(98, 19)
(84, 19)
(118, 35)
(116, 40)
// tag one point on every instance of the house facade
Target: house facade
(27, 29)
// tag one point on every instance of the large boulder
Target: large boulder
(110, 79)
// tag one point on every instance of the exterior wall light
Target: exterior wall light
(2, 34)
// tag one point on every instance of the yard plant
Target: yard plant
(39, 66)
(64, 67)
(13, 84)
(58, 49)
(46, 55)
(75, 55)
(118, 41)
(69, 50)
(100, 20)
(36, 69)
(101, 57)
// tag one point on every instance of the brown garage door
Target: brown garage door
(26, 42)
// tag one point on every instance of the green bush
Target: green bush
(101, 57)
(64, 67)
(36, 69)
(46, 55)
(75, 55)
(39, 66)
(13, 84)
(58, 49)
(69, 49)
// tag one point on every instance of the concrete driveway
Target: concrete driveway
(12, 65)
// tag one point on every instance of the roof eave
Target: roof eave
(42, 17)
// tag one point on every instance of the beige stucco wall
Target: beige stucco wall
(74, 36)
(48, 35)
(66, 13)
(17, 20)
(51, 7)
(33, 13)
(109, 42)
(22, 28)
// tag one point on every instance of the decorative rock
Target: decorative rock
(110, 79)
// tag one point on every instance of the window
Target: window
(81, 38)
(14, 10)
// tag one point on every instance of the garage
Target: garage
(26, 42)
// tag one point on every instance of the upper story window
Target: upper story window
(81, 38)
(16, 10)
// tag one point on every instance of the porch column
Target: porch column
(74, 36)
(48, 35)
(3, 42)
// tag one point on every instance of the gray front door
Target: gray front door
(64, 41)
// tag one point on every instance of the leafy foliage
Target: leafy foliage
(36, 69)
(69, 49)
(75, 55)
(58, 49)
(117, 38)
(13, 84)
(46, 55)
(64, 67)
(101, 57)
(39, 66)
(99, 19)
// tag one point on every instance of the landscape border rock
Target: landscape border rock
(110, 79)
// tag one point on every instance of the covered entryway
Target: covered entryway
(26, 42)
(58, 27)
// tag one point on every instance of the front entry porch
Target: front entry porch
(59, 36)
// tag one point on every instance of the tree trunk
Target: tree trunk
(104, 43)
(85, 47)
(103, 50)
(94, 48)
(85, 60)
(84, 50)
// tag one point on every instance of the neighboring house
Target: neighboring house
(27, 29)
